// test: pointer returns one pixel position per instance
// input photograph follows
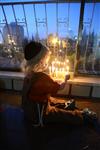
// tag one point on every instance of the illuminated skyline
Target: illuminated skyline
(66, 13)
(63, 28)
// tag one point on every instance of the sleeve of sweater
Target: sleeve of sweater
(44, 85)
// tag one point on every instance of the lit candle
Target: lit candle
(67, 74)
(67, 61)
(56, 72)
(67, 70)
(53, 71)
(50, 70)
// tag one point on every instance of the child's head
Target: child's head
(37, 56)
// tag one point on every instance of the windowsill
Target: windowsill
(90, 81)
(11, 74)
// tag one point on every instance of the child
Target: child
(38, 87)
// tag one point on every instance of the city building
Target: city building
(13, 33)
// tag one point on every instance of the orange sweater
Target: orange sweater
(41, 85)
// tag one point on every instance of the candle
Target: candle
(50, 70)
(59, 69)
(56, 72)
(67, 70)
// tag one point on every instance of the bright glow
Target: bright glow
(67, 61)
(55, 40)
(58, 70)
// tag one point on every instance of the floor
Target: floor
(16, 134)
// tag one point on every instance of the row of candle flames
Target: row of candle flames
(58, 69)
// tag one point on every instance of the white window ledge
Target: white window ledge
(78, 86)
(12, 75)
(89, 81)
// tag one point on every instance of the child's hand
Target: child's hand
(62, 85)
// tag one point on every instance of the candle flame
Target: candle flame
(58, 69)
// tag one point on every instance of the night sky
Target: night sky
(63, 29)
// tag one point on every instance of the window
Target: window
(89, 61)
(55, 24)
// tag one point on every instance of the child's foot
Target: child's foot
(89, 116)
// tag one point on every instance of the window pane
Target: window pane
(43, 22)
(90, 46)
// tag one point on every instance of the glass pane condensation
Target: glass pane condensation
(21, 23)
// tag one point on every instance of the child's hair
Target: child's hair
(35, 54)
